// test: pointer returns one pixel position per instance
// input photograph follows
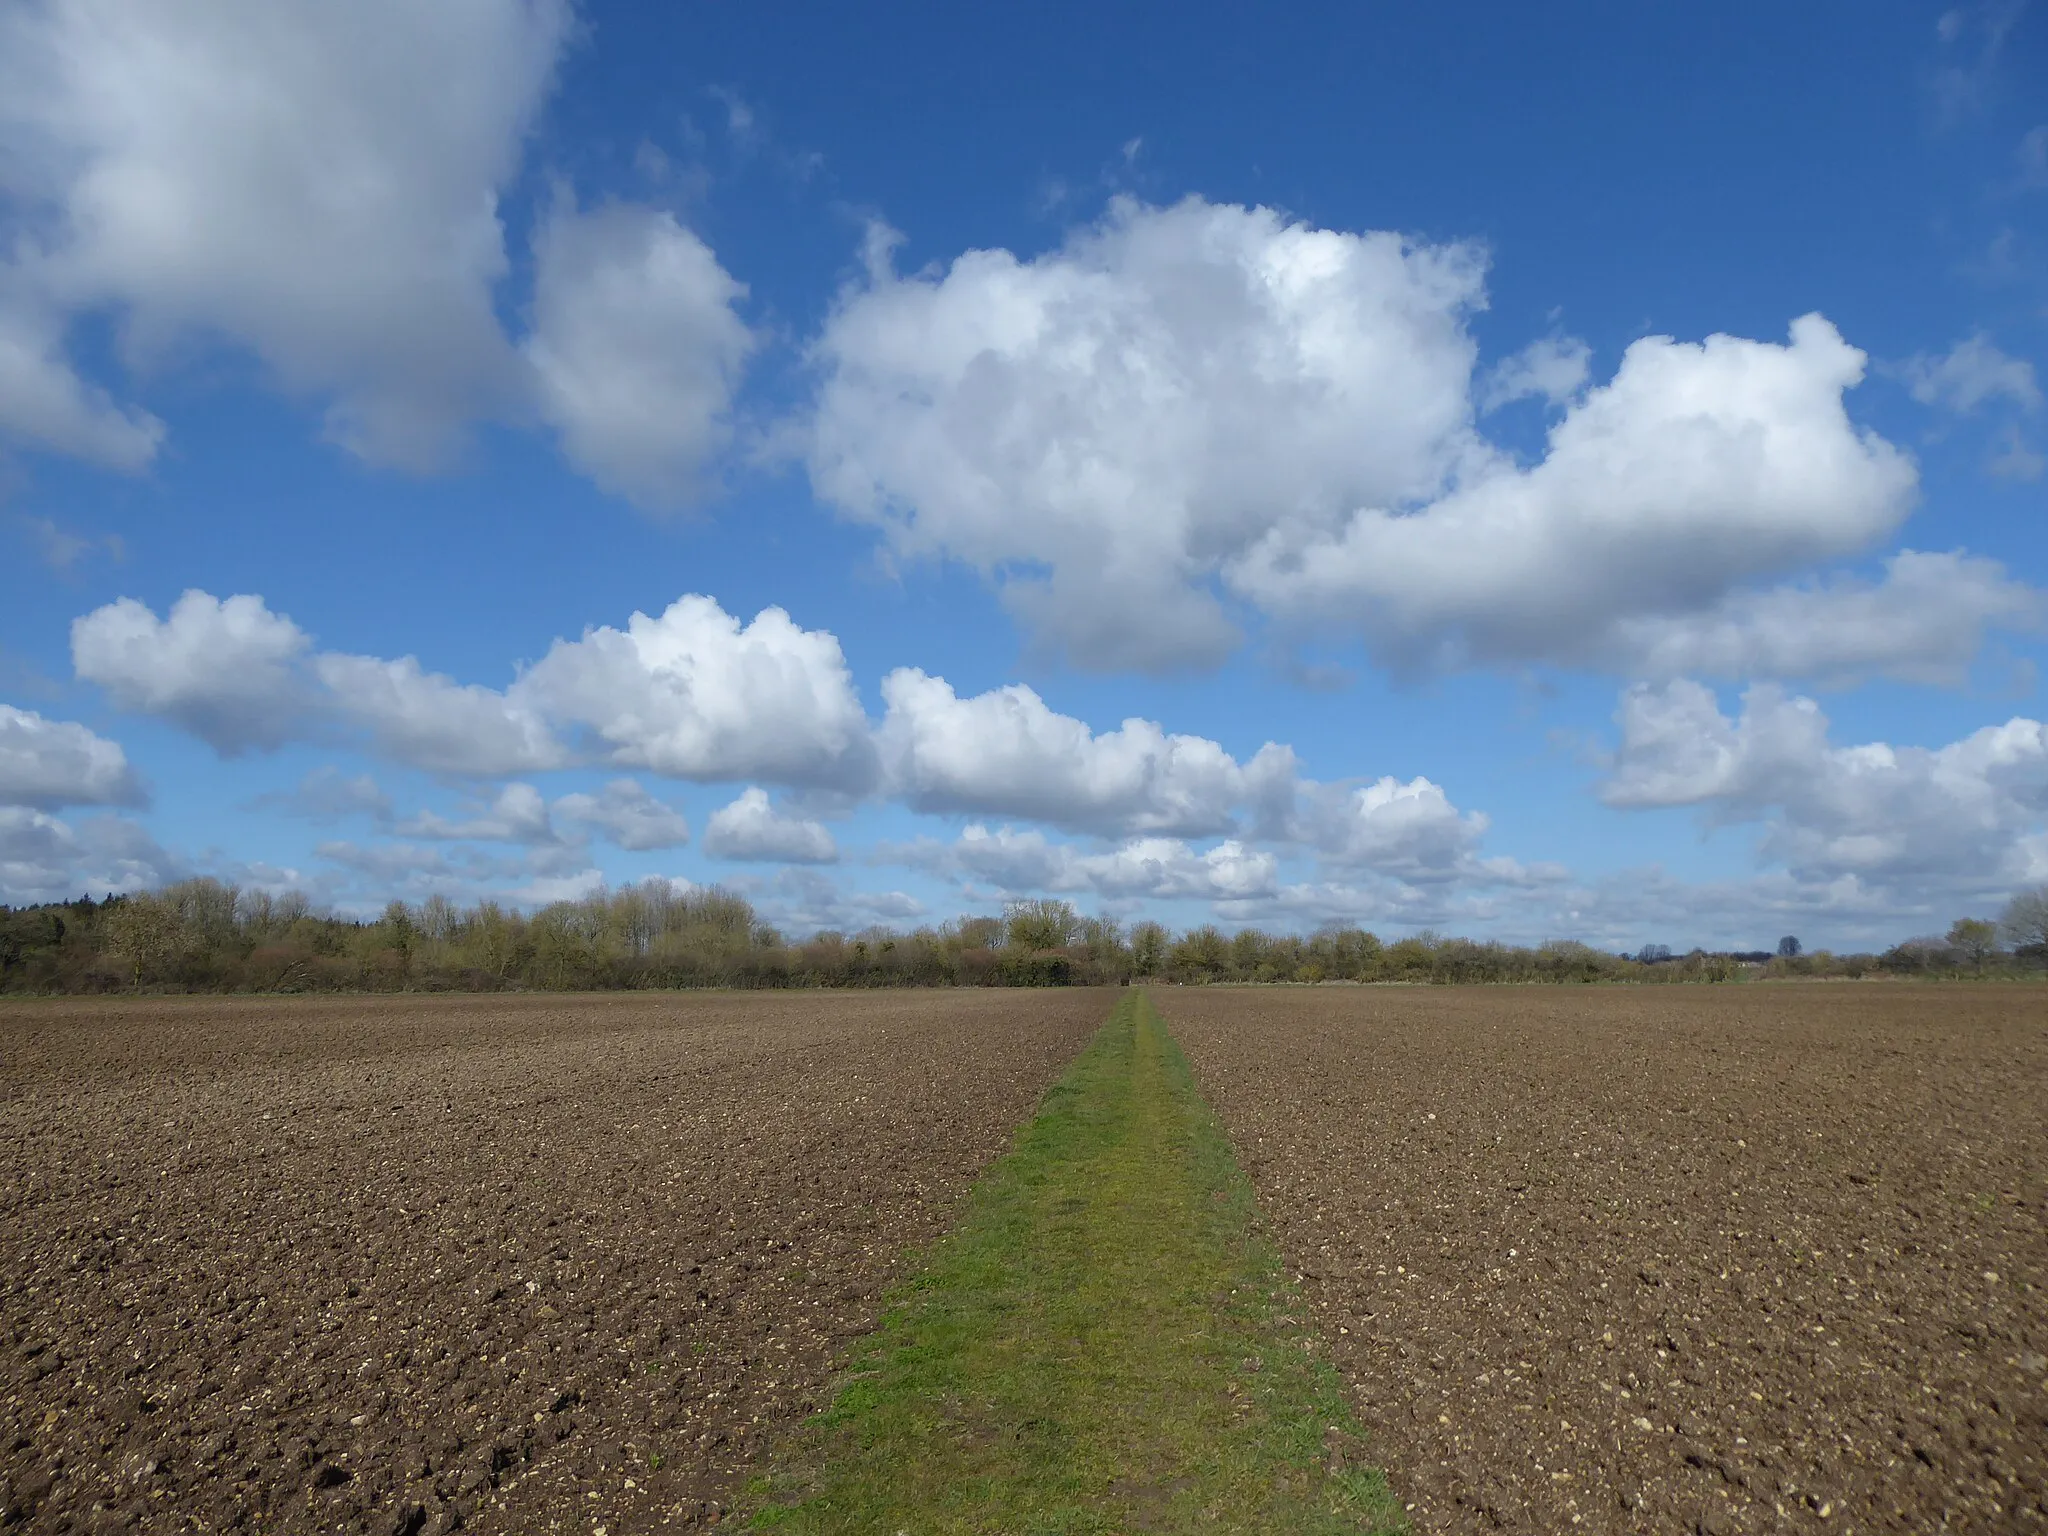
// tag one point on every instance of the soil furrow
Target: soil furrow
(404, 1264)
(1717, 1259)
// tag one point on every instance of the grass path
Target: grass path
(1103, 1344)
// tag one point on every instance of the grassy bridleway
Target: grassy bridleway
(1105, 1343)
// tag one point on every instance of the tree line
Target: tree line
(207, 936)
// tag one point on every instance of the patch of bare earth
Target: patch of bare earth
(401, 1265)
(1768, 1258)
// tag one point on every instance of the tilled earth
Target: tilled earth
(404, 1265)
(1716, 1259)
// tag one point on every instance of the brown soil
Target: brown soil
(526, 1265)
(1718, 1259)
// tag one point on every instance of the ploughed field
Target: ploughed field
(1709, 1259)
(1727, 1259)
(518, 1264)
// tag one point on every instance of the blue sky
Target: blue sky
(1516, 472)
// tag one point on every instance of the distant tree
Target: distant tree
(1104, 939)
(143, 931)
(2025, 921)
(1248, 952)
(1344, 953)
(1788, 948)
(1202, 953)
(1926, 953)
(1975, 939)
(981, 933)
(399, 930)
(1041, 924)
(1103, 933)
(1148, 948)
(440, 921)
(1654, 954)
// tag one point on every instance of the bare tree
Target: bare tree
(2025, 922)
(1041, 924)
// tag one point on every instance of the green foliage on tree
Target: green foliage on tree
(1974, 939)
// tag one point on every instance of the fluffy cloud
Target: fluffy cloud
(225, 670)
(45, 764)
(1969, 374)
(636, 348)
(44, 859)
(1122, 412)
(1965, 814)
(1163, 868)
(691, 694)
(694, 694)
(1004, 753)
(1403, 835)
(1698, 468)
(1409, 830)
(429, 721)
(697, 694)
(1183, 397)
(317, 183)
(1924, 622)
(320, 184)
(628, 815)
(752, 829)
(517, 814)
(241, 677)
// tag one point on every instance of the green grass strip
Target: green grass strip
(1105, 1343)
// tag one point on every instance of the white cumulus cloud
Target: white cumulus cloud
(1097, 426)
(628, 815)
(241, 677)
(636, 347)
(1410, 830)
(318, 183)
(227, 670)
(1696, 469)
(516, 814)
(1162, 868)
(1965, 813)
(693, 693)
(751, 828)
(45, 764)
(1005, 753)
(696, 694)
(1184, 405)
(45, 859)
(1924, 621)
(430, 721)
